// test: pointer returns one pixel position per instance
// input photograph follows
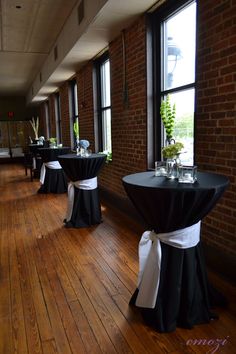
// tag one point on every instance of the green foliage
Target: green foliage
(172, 150)
(109, 157)
(168, 114)
(184, 126)
(53, 140)
(76, 128)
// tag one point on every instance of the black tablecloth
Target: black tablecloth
(167, 205)
(34, 148)
(55, 179)
(86, 208)
(51, 154)
(184, 296)
(79, 168)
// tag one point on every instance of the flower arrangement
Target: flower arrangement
(168, 113)
(84, 144)
(35, 125)
(172, 150)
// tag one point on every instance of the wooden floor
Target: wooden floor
(67, 290)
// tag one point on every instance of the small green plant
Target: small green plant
(76, 128)
(53, 140)
(168, 113)
(172, 150)
(109, 157)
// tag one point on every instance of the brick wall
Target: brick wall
(65, 115)
(216, 113)
(128, 119)
(84, 80)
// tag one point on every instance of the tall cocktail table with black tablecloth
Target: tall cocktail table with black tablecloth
(84, 207)
(173, 289)
(52, 176)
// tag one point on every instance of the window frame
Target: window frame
(100, 109)
(47, 119)
(168, 9)
(73, 106)
(58, 117)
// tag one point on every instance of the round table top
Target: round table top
(81, 167)
(205, 180)
(167, 205)
(51, 154)
(34, 147)
(79, 157)
(56, 148)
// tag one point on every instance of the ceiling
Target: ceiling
(32, 30)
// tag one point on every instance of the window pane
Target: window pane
(75, 99)
(179, 40)
(184, 124)
(106, 129)
(46, 108)
(105, 84)
(58, 117)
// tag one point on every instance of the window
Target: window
(104, 103)
(58, 117)
(174, 71)
(47, 120)
(73, 100)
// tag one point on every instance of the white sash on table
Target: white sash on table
(34, 163)
(54, 165)
(150, 259)
(87, 184)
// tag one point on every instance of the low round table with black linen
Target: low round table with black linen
(52, 176)
(84, 207)
(182, 295)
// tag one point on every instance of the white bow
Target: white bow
(150, 259)
(55, 165)
(87, 184)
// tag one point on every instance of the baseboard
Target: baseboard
(216, 260)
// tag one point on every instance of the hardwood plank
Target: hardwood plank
(69, 324)
(40, 307)
(94, 321)
(6, 331)
(119, 319)
(87, 335)
(5, 335)
(49, 347)
(17, 312)
(104, 315)
(68, 290)
(31, 325)
(58, 330)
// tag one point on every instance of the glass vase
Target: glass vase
(172, 167)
